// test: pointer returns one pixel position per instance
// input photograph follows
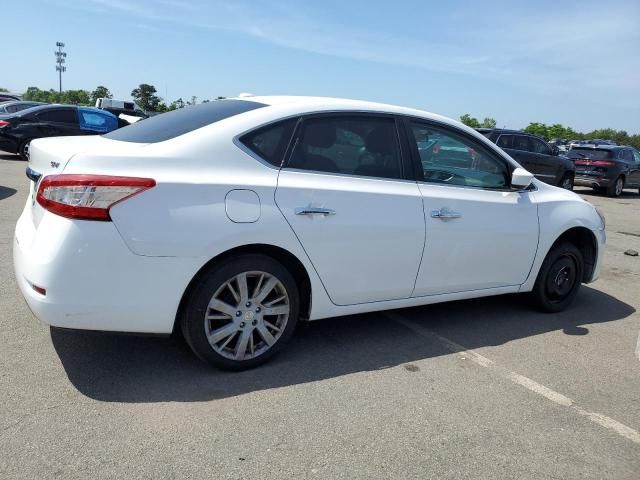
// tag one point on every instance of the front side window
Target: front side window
(521, 142)
(354, 145)
(636, 156)
(505, 141)
(538, 146)
(452, 159)
(270, 142)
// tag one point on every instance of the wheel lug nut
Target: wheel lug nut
(238, 313)
(254, 323)
(258, 310)
(248, 304)
(241, 324)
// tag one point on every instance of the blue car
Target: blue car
(18, 129)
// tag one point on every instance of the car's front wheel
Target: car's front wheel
(559, 278)
(241, 312)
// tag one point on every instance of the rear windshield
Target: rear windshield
(178, 122)
(590, 153)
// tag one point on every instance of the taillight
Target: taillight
(88, 197)
(4, 123)
(596, 163)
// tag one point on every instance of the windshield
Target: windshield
(178, 122)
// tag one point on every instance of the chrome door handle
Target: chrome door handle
(444, 214)
(314, 211)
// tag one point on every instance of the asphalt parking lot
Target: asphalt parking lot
(477, 389)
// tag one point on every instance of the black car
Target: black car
(606, 168)
(535, 155)
(18, 129)
(16, 106)
(8, 97)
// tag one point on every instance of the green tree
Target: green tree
(145, 96)
(3, 89)
(470, 121)
(100, 92)
(488, 122)
(539, 129)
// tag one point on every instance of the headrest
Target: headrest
(321, 134)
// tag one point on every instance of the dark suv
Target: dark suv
(534, 154)
(606, 168)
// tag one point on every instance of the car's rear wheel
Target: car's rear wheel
(615, 189)
(567, 181)
(241, 312)
(23, 150)
(559, 278)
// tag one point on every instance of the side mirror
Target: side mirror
(555, 150)
(521, 179)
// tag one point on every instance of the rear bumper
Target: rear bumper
(591, 181)
(92, 280)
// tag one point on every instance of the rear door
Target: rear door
(520, 152)
(347, 195)
(58, 122)
(634, 168)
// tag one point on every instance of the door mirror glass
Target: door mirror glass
(521, 179)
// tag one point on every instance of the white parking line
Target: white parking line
(518, 379)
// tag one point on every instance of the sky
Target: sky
(575, 63)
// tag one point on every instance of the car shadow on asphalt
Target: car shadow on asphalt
(123, 368)
(625, 195)
(6, 192)
(10, 156)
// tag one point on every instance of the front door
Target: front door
(344, 193)
(480, 233)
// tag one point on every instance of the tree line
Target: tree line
(145, 95)
(557, 130)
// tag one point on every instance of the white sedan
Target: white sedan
(233, 220)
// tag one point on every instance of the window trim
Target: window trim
(505, 135)
(237, 140)
(532, 139)
(419, 172)
(405, 162)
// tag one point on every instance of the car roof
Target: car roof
(42, 107)
(599, 146)
(343, 104)
(21, 102)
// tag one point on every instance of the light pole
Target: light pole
(60, 60)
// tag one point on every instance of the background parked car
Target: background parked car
(4, 97)
(534, 154)
(18, 129)
(17, 105)
(606, 168)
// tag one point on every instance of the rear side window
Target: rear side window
(183, 120)
(366, 146)
(95, 121)
(270, 142)
(590, 153)
(66, 115)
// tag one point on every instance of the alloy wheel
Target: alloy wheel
(247, 315)
(619, 186)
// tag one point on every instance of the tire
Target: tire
(567, 182)
(559, 278)
(23, 150)
(232, 330)
(615, 189)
